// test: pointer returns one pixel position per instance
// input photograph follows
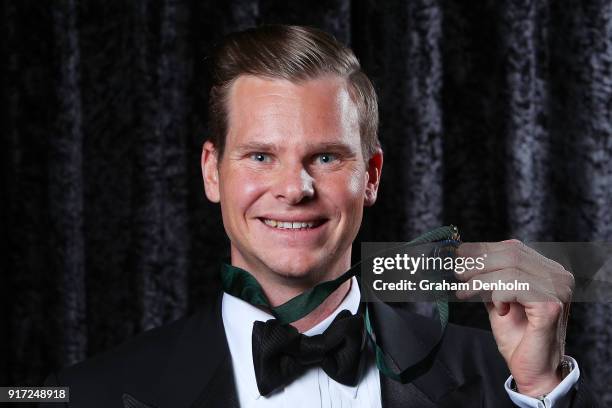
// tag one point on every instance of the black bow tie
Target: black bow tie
(281, 354)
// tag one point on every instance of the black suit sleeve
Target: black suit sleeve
(53, 381)
(583, 396)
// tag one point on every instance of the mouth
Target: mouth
(293, 225)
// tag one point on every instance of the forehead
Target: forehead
(283, 111)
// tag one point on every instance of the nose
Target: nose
(294, 185)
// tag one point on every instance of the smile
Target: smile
(295, 225)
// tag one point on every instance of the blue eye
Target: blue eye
(326, 158)
(260, 157)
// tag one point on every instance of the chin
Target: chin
(297, 268)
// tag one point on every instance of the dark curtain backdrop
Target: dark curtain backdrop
(496, 116)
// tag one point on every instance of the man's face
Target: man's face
(292, 181)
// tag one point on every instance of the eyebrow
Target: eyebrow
(256, 147)
(335, 147)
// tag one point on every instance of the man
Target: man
(293, 159)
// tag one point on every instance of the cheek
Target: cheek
(240, 190)
(348, 191)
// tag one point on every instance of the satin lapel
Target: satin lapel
(199, 370)
(220, 392)
(412, 343)
(397, 395)
(407, 337)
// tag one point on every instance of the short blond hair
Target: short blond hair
(294, 53)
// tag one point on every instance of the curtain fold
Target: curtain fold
(524, 37)
(496, 116)
(65, 186)
(422, 117)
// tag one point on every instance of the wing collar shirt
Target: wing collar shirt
(312, 389)
(315, 388)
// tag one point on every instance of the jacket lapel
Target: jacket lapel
(397, 395)
(199, 371)
(412, 342)
(220, 392)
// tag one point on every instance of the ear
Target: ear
(210, 171)
(374, 168)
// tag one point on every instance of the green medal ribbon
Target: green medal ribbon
(241, 284)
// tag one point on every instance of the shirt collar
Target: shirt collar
(238, 318)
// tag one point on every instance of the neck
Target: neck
(324, 309)
(280, 289)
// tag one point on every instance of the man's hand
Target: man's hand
(528, 326)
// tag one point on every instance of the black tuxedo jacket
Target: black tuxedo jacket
(187, 364)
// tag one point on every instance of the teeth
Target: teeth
(289, 224)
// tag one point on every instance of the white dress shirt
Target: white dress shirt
(315, 388)
(557, 398)
(312, 389)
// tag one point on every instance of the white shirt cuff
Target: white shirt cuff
(558, 397)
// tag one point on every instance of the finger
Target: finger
(501, 308)
(476, 249)
(515, 247)
(509, 279)
(479, 285)
(543, 313)
(486, 257)
(489, 262)
(502, 259)
(519, 257)
(528, 300)
(518, 249)
(480, 248)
